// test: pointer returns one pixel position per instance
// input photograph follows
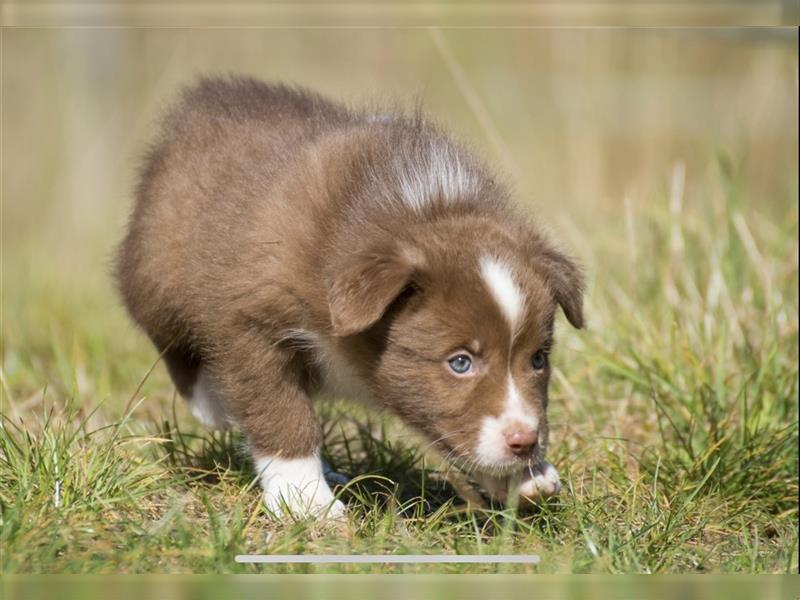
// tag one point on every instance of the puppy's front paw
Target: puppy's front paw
(290, 501)
(540, 481)
(297, 487)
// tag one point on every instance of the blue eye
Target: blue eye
(460, 364)
(539, 360)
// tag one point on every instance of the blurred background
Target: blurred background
(587, 125)
(578, 120)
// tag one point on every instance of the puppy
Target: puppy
(284, 247)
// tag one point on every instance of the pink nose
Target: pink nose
(521, 441)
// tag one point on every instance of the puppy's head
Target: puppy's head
(460, 324)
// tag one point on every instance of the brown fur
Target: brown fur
(268, 226)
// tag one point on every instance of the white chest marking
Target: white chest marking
(339, 378)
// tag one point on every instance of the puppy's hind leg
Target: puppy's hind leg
(196, 384)
(207, 404)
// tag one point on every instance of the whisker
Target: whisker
(439, 439)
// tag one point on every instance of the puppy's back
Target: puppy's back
(239, 122)
(216, 104)
(225, 139)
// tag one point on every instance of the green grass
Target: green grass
(674, 424)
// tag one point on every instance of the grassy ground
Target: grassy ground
(674, 425)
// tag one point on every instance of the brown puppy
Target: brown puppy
(284, 247)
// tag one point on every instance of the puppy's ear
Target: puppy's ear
(365, 286)
(567, 282)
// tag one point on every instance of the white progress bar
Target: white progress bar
(531, 559)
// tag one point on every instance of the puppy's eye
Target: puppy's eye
(539, 360)
(460, 364)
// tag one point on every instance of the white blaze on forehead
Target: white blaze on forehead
(500, 281)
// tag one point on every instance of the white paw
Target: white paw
(541, 481)
(297, 486)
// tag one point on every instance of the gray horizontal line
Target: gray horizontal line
(388, 558)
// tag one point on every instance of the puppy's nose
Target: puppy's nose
(521, 441)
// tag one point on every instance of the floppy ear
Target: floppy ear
(364, 287)
(567, 282)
